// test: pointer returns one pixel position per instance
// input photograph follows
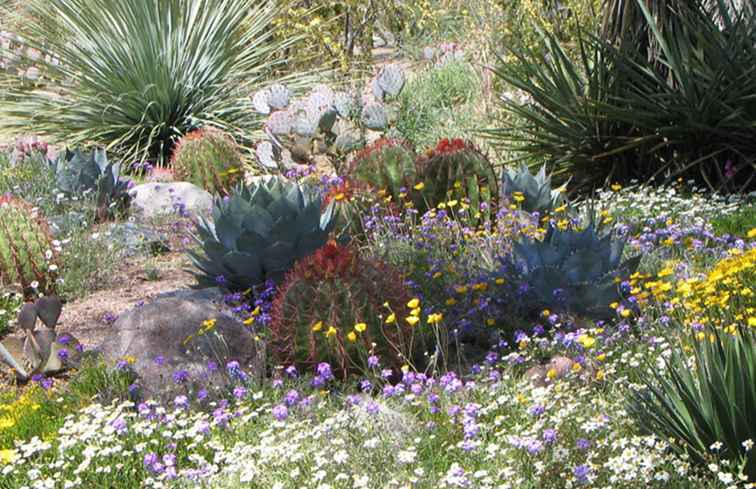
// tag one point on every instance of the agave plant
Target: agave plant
(258, 232)
(712, 401)
(135, 76)
(572, 271)
(77, 172)
(532, 192)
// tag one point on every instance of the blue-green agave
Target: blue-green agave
(535, 189)
(258, 232)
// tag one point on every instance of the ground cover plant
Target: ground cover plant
(349, 287)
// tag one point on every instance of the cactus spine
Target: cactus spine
(209, 159)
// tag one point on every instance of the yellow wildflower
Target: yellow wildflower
(391, 318)
(352, 336)
(414, 303)
(419, 186)
(317, 326)
(360, 327)
(331, 332)
(412, 320)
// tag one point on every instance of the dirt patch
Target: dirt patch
(90, 318)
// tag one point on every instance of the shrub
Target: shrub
(707, 403)
(27, 257)
(258, 233)
(618, 114)
(209, 159)
(135, 76)
(331, 308)
(10, 302)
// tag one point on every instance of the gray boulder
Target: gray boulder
(153, 199)
(166, 336)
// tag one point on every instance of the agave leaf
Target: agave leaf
(49, 309)
(11, 361)
(27, 317)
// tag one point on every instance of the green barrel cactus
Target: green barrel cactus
(258, 232)
(532, 193)
(208, 158)
(456, 170)
(332, 308)
(577, 272)
(27, 257)
(387, 164)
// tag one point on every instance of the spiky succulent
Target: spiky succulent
(387, 164)
(208, 158)
(258, 232)
(27, 257)
(533, 193)
(572, 271)
(77, 172)
(456, 170)
(330, 309)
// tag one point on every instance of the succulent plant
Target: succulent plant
(27, 256)
(532, 192)
(387, 164)
(208, 158)
(389, 81)
(77, 172)
(42, 351)
(330, 309)
(258, 232)
(572, 271)
(455, 170)
(374, 117)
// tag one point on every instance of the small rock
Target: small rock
(150, 200)
(135, 237)
(538, 375)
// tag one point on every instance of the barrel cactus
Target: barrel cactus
(456, 170)
(78, 172)
(533, 193)
(208, 158)
(387, 164)
(572, 271)
(258, 232)
(27, 257)
(331, 308)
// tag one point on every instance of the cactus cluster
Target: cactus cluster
(532, 193)
(258, 232)
(27, 257)
(324, 120)
(387, 164)
(572, 271)
(208, 158)
(330, 309)
(42, 351)
(455, 169)
(80, 173)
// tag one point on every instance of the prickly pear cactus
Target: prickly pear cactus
(387, 164)
(390, 81)
(209, 159)
(331, 309)
(456, 170)
(27, 256)
(374, 117)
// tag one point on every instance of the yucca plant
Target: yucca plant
(258, 232)
(712, 401)
(135, 76)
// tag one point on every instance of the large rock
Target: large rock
(153, 199)
(162, 338)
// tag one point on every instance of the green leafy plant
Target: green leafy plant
(258, 232)
(572, 271)
(208, 158)
(331, 307)
(27, 257)
(387, 164)
(456, 169)
(135, 76)
(78, 173)
(9, 304)
(533, 193)
(709, 400)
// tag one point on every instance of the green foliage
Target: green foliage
(258, 233)
(29, 175)
(388, 165)
(135, 76)
(9, 305)
(91, 262)
(26, 252)
(709, 401)
(534, 189)
(331, 307)
(436, 101)
(737, 223)
(571, 271)
(456, 170)
(618, 114)
(90, 174)
(208, 158)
